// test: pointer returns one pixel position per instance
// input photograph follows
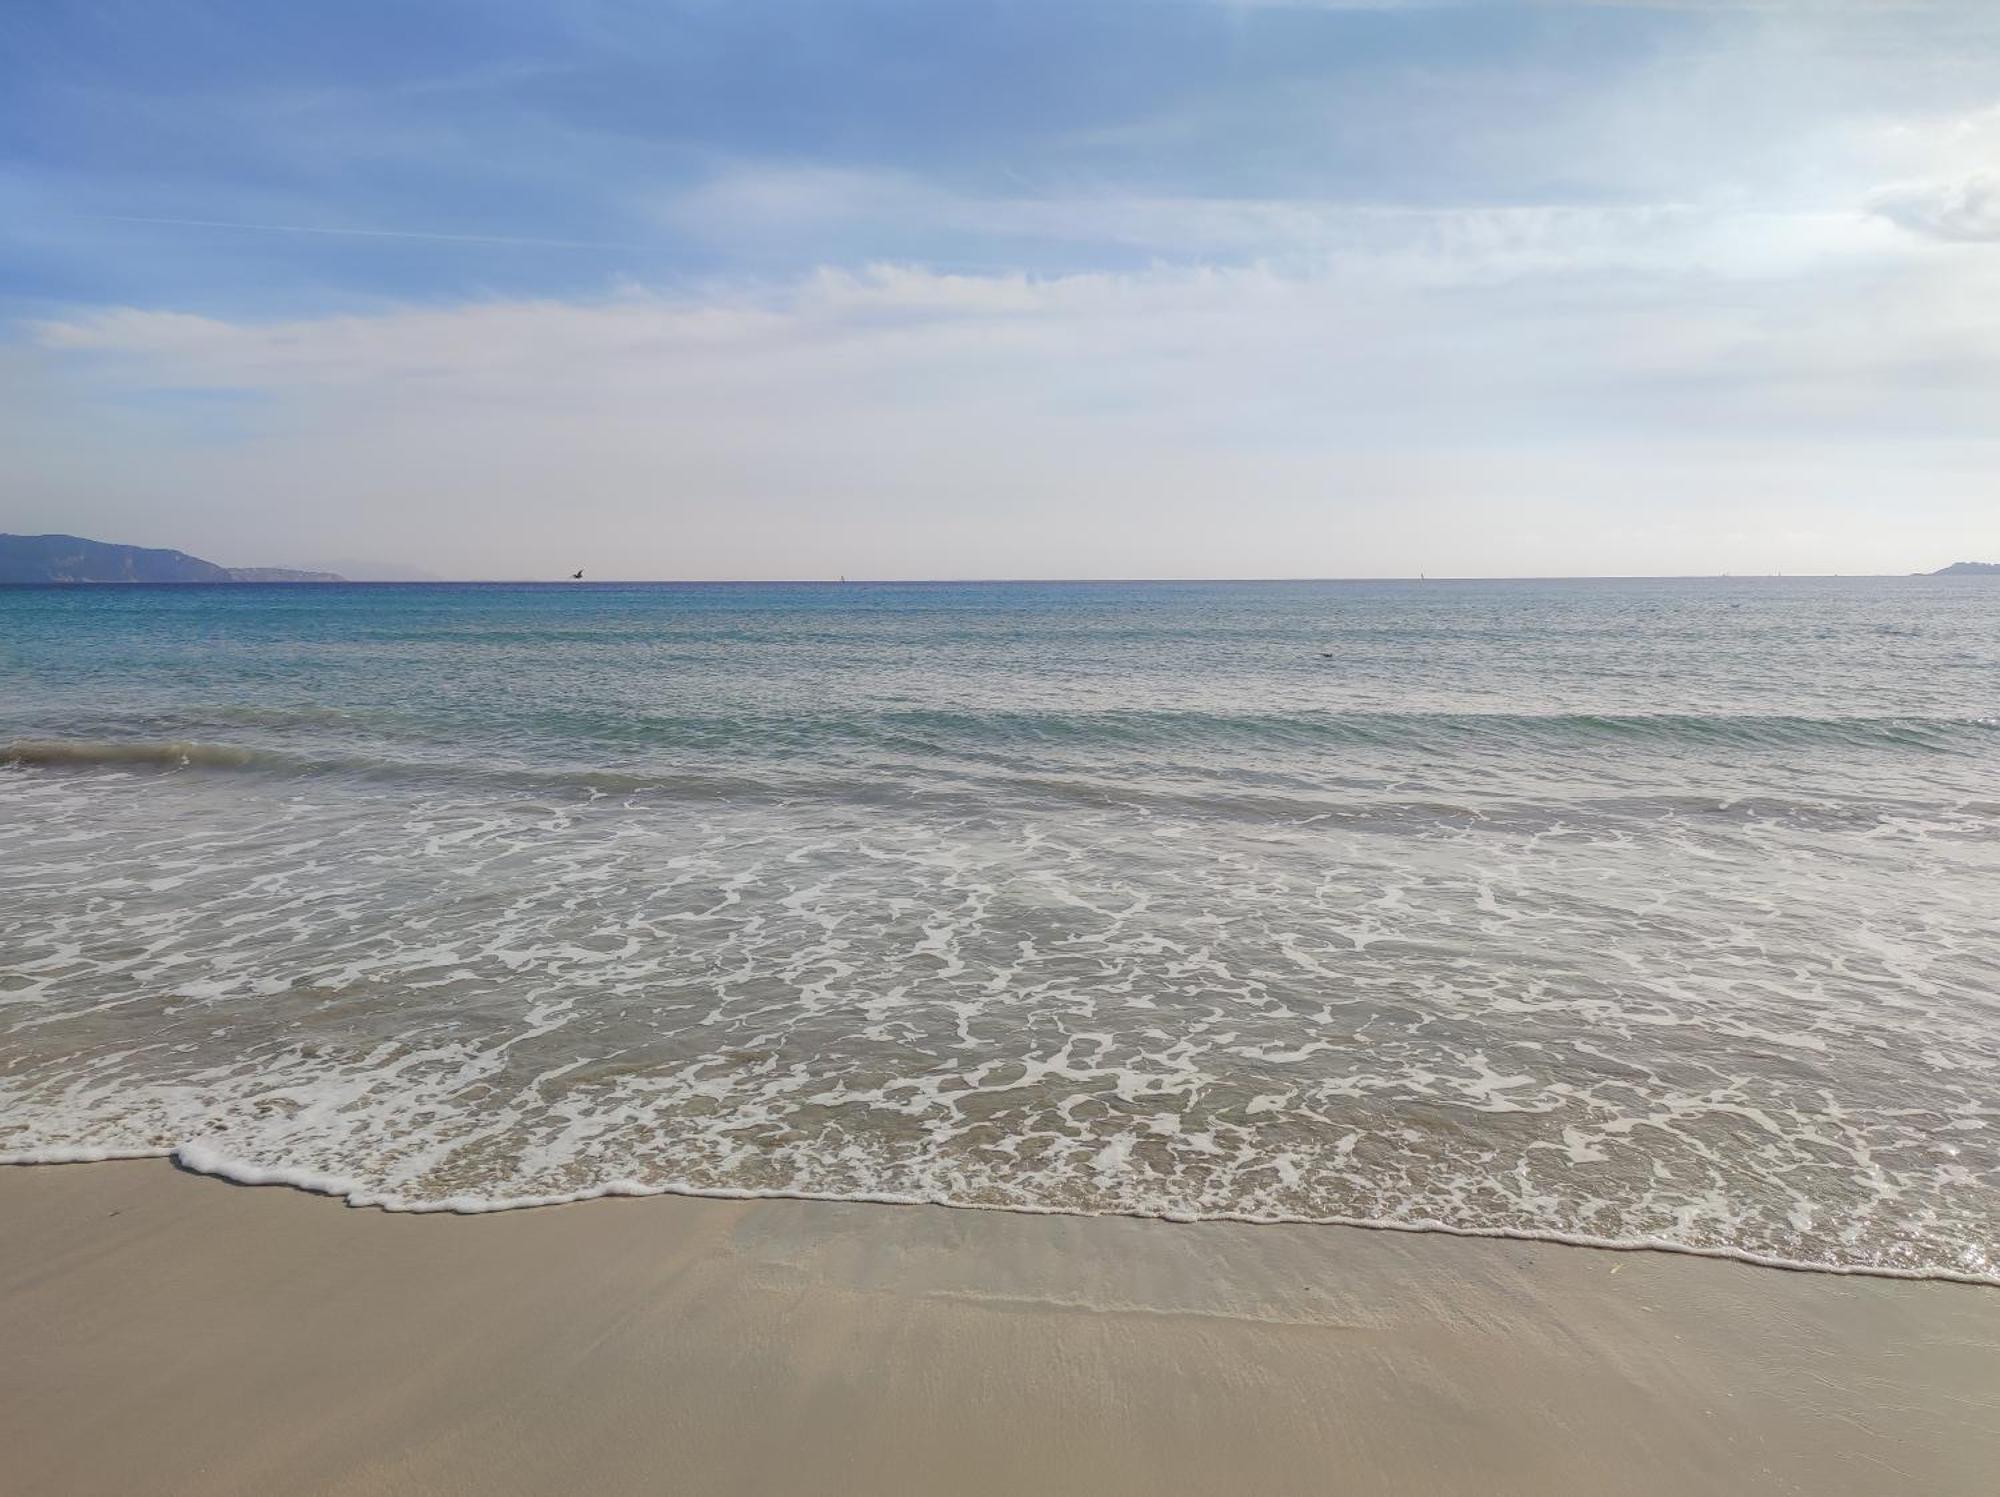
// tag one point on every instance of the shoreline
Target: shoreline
(345, 1192)
(167, 1332)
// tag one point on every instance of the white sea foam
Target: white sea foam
(203, 1161)
(910, 1030)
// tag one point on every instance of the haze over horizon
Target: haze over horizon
(1114, 289)
(371, 571)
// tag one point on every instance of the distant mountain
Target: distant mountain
(1968, 569)
(280, 574)
(71, 558)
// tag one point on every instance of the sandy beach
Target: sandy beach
(167, 1333)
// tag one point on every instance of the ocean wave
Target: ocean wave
(1140, 770)
(175, 756)
(1445, 730)
(172, 753)
(1116, 729)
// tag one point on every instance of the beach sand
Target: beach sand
(166, 1333)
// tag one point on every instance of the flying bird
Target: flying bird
(577, 575)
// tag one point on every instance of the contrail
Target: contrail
(217, 223)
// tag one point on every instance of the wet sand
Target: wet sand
(164, 1333)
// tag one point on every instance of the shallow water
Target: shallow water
(1642, 911)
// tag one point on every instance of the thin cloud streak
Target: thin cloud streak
(499, 239)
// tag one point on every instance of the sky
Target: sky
(923, 288)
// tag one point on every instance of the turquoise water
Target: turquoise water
(1636, 911)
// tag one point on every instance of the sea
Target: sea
(1655, 913)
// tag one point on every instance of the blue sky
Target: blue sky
(1139, 287)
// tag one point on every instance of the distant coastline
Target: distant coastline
(31, 560)
(72, 558)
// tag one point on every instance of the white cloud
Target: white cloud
(752, 204)
(1490, 410)
(1966, 211)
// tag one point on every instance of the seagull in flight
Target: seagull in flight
(577, 575)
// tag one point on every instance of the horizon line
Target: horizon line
(960, 581)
